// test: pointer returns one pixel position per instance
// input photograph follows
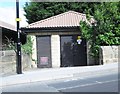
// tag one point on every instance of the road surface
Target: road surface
(106, 83)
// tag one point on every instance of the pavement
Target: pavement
(58, 73)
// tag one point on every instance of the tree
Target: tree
(41, 10)
(107, 29)
(9, 44)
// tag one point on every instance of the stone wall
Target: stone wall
(90, 60)
(110, 54)
(8, 61)
(107, 54)
(34, 51)
(55, 49)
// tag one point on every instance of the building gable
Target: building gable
(67, 19)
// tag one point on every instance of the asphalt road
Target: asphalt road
(108, 83)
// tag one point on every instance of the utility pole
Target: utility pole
(19, 65)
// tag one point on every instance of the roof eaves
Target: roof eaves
(7, 26)
(49, 29)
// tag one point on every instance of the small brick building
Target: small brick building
(57, 41)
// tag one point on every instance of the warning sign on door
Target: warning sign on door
(43, 60)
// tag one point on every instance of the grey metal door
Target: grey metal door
(44, 51)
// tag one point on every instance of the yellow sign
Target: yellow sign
(79, 37)
(18, 19)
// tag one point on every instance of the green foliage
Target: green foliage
(11, 45)
(36, 11)
(8, 44)
(107, 31)
(27, 48)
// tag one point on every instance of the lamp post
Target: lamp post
(19, 65)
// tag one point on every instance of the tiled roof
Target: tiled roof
(67, 19)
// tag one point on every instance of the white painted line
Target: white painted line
(70, 80)
(73, 79)
(89, 84)
(67, 80)
(98, 82)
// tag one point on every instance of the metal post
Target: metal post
(19, 65)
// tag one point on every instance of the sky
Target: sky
(8, 12)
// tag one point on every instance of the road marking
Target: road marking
(67, 80)
(73, 79)
(98, 82)
(89, 84)
(70, 80)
